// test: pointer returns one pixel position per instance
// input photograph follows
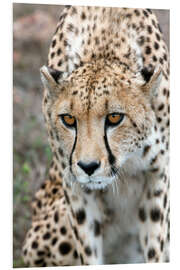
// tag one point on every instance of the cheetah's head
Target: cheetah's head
(100, 117)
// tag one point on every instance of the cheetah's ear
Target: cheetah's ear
(50, 79)
(153, 80)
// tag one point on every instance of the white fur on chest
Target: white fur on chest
(121, 244)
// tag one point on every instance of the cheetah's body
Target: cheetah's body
(103, 60)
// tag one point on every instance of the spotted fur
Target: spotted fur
(107, 196)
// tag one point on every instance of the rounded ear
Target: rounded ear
(49, 78)
(153, 80)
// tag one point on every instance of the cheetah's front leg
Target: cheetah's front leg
(153, 215)
(85, 220)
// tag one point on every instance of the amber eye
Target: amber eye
(68, 120)
(114, 119)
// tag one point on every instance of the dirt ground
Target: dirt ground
(33, 27)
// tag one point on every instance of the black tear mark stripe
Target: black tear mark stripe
(111, 157)
(73, 148)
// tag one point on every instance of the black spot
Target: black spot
(74, 93)
(148, 50)
(34, 245)
(40, 253)
(146, 240)
(39, 204)
(60, 152)
(162, 245)
(39, 262)
(151, 253)
(161, 107)
(162, 129)
(56, 217)
(155, 214)
(141, 40)
(43, 186)
(154, 23)
(149, 10)
(165, 57)
(54, 240)
(60, 36)
(158, 37)
(88, 250)
(154, 170)
(128, 15)
(70, 27)
(145, 13)
(54, 190)
(97, 228)
(46, 236)
(48, 226)
(149, 28)
(83, 16)
(142, 214)
(165, 201)
(60, 175)
(147, 74)
(156, 45)
(97, 41)
(146, 150)
(37, 228)
(75, 254)
(56, 74)
(59, 51)
(161, 60)
(62, 16)
(159, 119)
(154, 58)
(164, 91)
(53, 43)
(63, 230)
(80, 216)
(66, 43)
(52, 54)
(163, 139)
(153, 160)
(63, 165)
(137, 12)
(64, 248)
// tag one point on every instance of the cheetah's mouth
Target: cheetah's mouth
(94, 183)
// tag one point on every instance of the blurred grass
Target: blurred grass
(31, 153)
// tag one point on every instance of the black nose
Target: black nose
(89, 168)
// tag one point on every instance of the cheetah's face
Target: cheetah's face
(101, 121)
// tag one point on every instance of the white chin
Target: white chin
(92, 184)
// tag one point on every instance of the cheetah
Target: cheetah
(106, 93)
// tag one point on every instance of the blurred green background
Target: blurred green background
(33, 27)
